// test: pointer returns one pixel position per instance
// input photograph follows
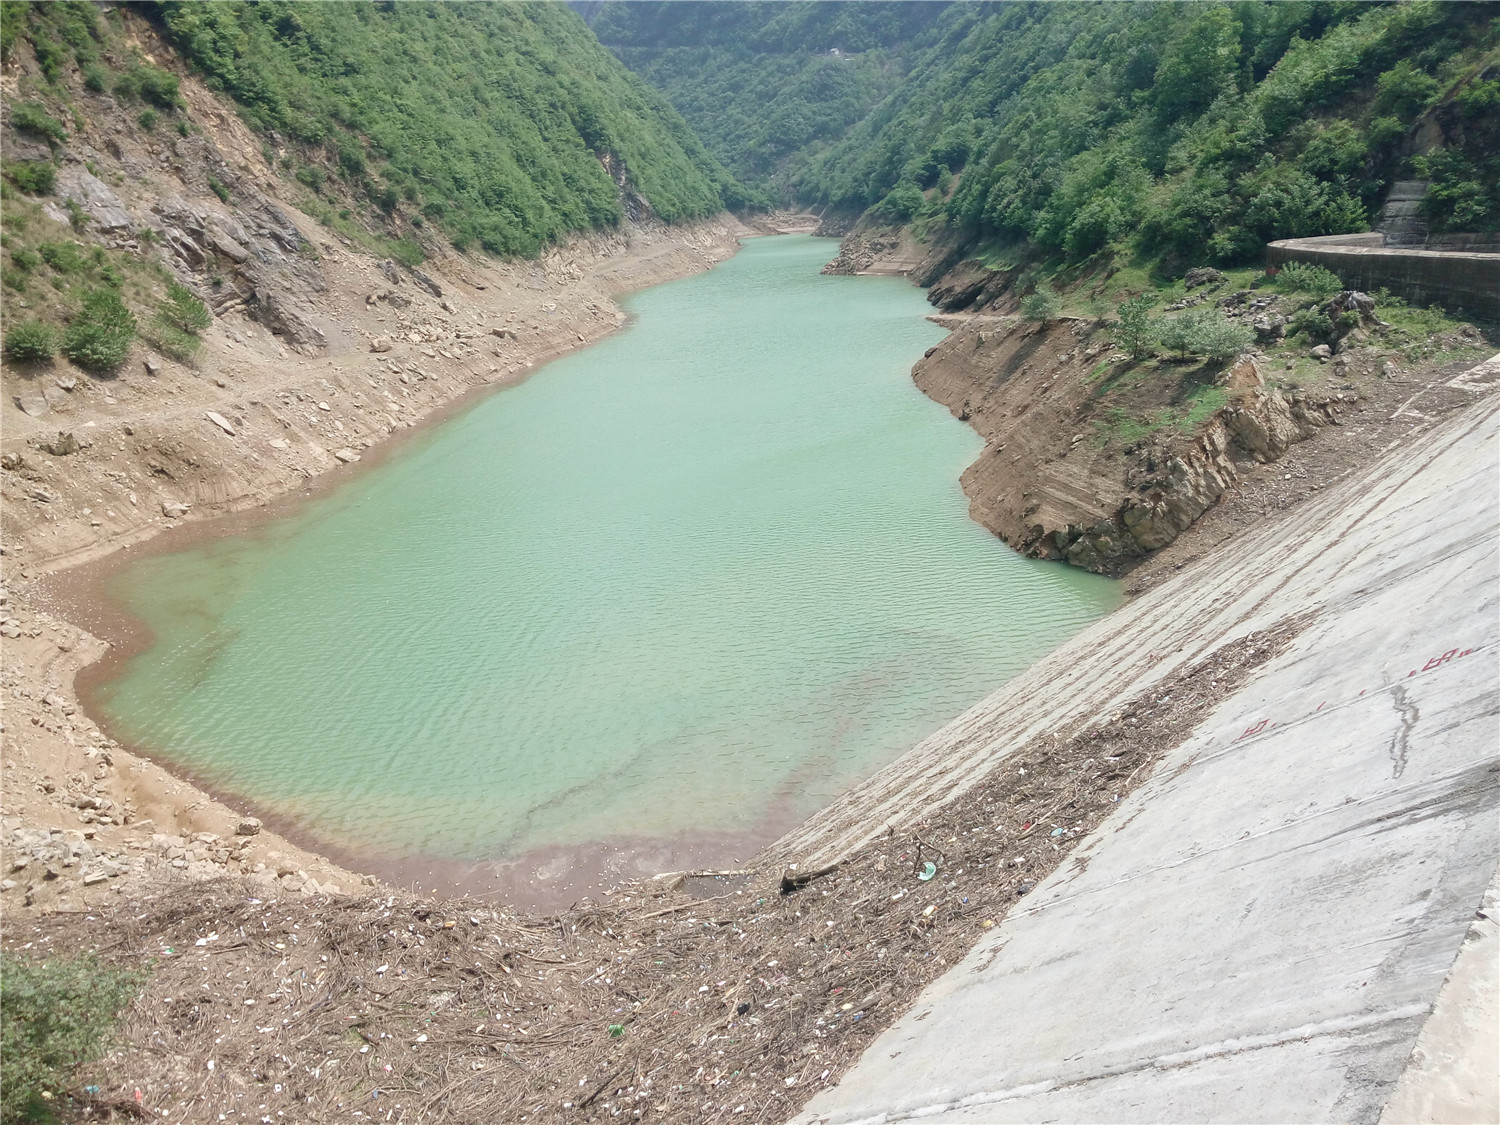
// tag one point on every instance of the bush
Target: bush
(1041, 304)
(1220, 338)
(94, 78)
(1137, 329)
(310, 175)
(184, 311)
(1311, 321)
(29, 117)
(216, 186)
(31, 341)
(157, 87)
(148, 119)
(1205, 332)
(1299, 277)
(100, 336)
(900, 203)
(34, 177)
(64, 257)
(58, 1015)
(408, 251)
(170, 340)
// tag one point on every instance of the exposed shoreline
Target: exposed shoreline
(84, 635)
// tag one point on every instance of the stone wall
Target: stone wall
(1468, 280)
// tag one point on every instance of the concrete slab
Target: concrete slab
(1261, 931)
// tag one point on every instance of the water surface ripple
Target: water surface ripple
(699, 577)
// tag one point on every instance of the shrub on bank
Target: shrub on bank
(1136, 331)
(31, 341)
(34, 177)
(100, 336)
(1205, 332)
(57, 1014)
(1041, 304)
(1315, 281)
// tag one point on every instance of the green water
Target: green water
(699, 577)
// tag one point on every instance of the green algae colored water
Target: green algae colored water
(698, 578)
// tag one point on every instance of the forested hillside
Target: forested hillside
(770, 86)
(1187, 132)
(1199, 131)
(504, 125)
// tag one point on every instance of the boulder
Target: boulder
(1203, 275)
(1321, 353)
(346, 455)
(174, 510)
(248, 826)
(153, 368)
(228, 246)
(1269, 329)
(425, 282)
(390, 271)
(77, 183)
(33, 406)
(380, 344)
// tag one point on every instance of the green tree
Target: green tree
(1136, 331)
(1041, 304)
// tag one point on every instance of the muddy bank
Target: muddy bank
(154, 472)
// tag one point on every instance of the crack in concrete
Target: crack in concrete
(1400, 743)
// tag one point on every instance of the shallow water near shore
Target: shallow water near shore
(698, 578)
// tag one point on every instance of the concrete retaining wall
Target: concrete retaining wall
(1261, 930)
(1465, 280)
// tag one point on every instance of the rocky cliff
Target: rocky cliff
(1068, 473)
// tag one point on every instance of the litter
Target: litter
(929, 870)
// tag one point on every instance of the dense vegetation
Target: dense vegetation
(1184, 133)
(491, 120)
(769, 86)
(506, 126)
(58, 1014)
(1196, 132)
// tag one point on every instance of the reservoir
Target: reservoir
(696, 579)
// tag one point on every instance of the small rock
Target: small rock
(346, 455)
(324, 406)
(67, 383)
(248, 826)
(94, 877)
(174, 510)
(220, 421)
(60, 446)
(280, 443)
(12, 461)
(380, 344)
(152, 367)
